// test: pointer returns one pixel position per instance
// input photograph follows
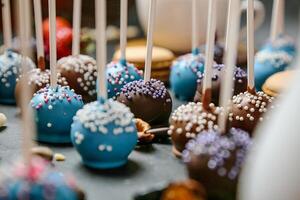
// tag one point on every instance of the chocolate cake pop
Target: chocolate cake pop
(10, 70)
(80, 71)
(119, 74)
(189, 120)
(240, 83)
(104, 134)
(216, 160)
(37, 181)
(149, 100)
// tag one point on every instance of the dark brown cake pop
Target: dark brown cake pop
(185, 190)
(240, 83)
(37, 79)
(216, 160)
(149, 101)
(247, 110)
(189, 120)
(80, 72)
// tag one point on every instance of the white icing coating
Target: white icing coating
(97, 117)
(276, 58)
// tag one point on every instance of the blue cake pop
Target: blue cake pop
(185, 71)
(269, 62)
(282, 43)
(37, 181)
(10, 69)
(104, 133)
(119, 73)
(55, 108)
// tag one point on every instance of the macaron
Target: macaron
(278, 83)
(161, 60)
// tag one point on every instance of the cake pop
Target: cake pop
(80, 71)
(282, 42)
(121, 72)
(37, 181)
(216, 160)
(240, 83)
(10, 69)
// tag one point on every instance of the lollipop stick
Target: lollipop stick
(6, 16)
(76, 27)
(123, 34)
(229, 16)
(39, 34)
(151, 18)
(101, 47)
(232, 38)
(195, 27)
(27, 119)
(210, 43)
(277, 25)
(52, 33)
(250, 46)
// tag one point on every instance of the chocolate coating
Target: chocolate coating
(240, 83)
(216, 160)
(247, 110)
(189, 120)
(149, 100)
(80, 72)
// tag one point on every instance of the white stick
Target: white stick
(277, 25)
(195, 26)
(27, 117)
(123, 32)
(229, 16)
(232, 39)
(101, 46)
(250, 45)
(151, 18)
(52, 34)
(39, 33)
(210, 43)
(76, 27)
(6, 18)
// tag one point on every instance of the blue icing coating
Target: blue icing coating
(10, 70)
(55, 108)
(269, 62)
(184, 74)
(104, 134)
(282, 43)
(119, 73)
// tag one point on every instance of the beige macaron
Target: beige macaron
(278, 83)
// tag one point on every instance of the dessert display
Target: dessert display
(240, 83)
(278, 83)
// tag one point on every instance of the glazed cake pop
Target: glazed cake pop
(247, 110)
(10, 70)
(104, 134)
(80, 71)
(185, 71)
(216, 160)
(38, 181)
(54, 110)
(240, 83)
(38, 79)
(189, 120)
(149, 100)
(282, 43)
(119, 74)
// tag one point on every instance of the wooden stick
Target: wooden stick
(277, 24)
(101, 47)
(39, 34)
(210, 43)
(76, 27)
(27, 115)
(123, 32)
(250, 45)
(229, 16)
(6, 18)
(232, 39)
(151, 18)
(52, 34)
(195, 26)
